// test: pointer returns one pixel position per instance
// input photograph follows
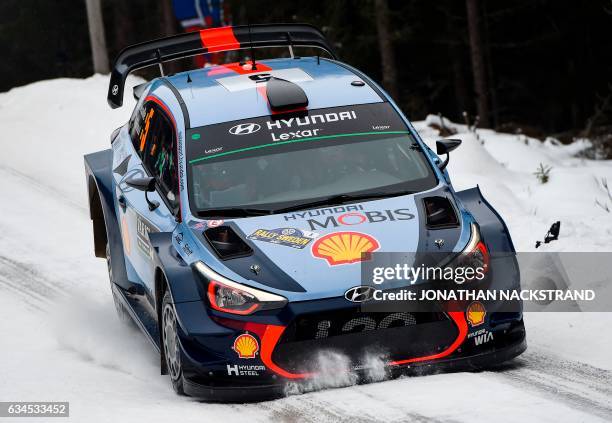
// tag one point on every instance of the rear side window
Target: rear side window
(154, 139)
(142, 123)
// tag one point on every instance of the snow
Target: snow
(62, 341)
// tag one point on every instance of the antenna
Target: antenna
(290, 45)
(159, 59)
(253, 64)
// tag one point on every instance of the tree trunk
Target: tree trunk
(168, 19)
(169, 26)
(122, 25)
(96, 36)
(478, 67)
(492, 87)
(389, 72)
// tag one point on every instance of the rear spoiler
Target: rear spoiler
(209, 41)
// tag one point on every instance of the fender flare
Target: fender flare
(180, 278)
(101, 201)
(492, 226)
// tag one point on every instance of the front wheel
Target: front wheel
(172, 349)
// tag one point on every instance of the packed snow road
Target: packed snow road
(61, 340)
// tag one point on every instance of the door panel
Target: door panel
(137, 221)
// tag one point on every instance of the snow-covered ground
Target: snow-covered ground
(61, 340)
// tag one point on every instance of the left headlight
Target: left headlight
(232, 297)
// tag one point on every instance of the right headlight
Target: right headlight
(232, 297)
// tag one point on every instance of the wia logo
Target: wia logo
(483, 339)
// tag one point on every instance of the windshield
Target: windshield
(269, 164)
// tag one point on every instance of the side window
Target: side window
(158, 151)
(142, 127)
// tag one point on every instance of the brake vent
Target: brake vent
(226, 243)
(440, 213)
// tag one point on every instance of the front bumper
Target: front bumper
(213, 383)
(513, 344)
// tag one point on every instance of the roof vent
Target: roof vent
(285, 96)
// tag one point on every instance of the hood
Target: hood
(319, 250)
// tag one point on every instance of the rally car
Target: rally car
(236, 207)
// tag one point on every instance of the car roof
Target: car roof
(225, 93)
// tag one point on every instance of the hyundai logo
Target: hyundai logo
(244, 129)
(360, 294)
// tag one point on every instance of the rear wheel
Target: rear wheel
(172, 350)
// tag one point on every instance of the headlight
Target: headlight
(474, 257)
(231, 297)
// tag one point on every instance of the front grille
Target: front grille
(357, 335)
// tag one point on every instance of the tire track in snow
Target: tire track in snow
(578, 385)
(327, 405)
(20, 277)
(27, 283)
(305, 408)
(47, 189)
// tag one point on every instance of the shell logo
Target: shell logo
(344, 247)
(476, 313)
(246, 346)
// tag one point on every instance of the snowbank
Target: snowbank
(503, 165)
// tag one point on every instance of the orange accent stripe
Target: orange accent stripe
(459, 319)
(145, 131)
(219, 39)
(269, 339)
(125, 232)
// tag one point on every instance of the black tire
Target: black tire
(170, 344)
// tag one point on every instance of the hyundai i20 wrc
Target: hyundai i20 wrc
(236, 207)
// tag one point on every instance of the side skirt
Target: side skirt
(139, 315)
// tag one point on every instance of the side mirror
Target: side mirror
(144, 184)
(445, 147)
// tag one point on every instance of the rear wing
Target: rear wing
(209, 41)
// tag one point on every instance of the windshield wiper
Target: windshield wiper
(341, 199)
(233, 212)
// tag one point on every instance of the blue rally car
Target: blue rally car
(236, 206)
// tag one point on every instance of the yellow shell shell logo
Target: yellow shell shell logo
(246, 346)
(344, 247)
(476, 313)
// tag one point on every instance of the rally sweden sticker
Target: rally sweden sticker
(289, 237)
